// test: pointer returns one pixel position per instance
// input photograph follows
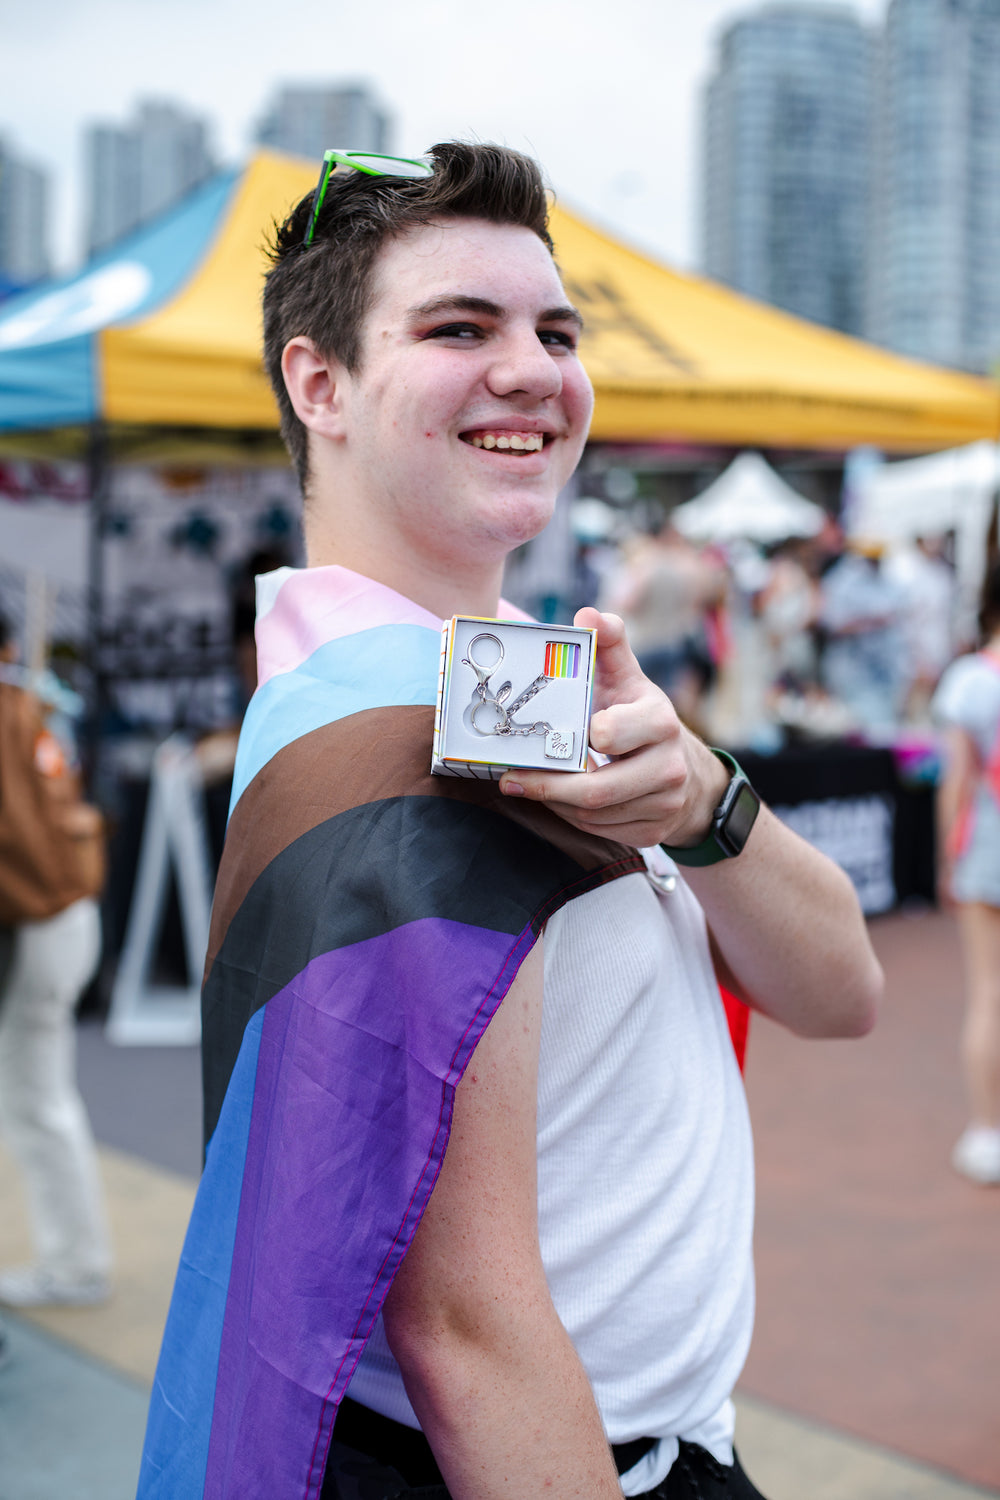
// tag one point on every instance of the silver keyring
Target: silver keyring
(500, 720)
(470, 661)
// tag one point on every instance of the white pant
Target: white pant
(42, 1116)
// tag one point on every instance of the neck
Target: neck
(442, 589)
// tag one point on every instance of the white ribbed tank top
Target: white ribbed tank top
(645, 1174)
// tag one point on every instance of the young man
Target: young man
(502, 1195)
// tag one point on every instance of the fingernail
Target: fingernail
(512, 789)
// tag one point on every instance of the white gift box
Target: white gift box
(512, 694)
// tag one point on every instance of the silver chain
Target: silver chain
(498, 701)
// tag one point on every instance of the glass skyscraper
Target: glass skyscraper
(307, 119)
(786, 161)
(137, 170)
(24, 190)
(934, 262)
(854, 177)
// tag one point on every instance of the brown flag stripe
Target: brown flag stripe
(370, 756)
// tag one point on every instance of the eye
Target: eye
(462, 333)
(554, 339)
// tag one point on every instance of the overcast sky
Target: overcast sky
(605, 92)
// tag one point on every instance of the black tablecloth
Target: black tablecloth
(881, 827)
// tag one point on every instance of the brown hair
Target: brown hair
(323, 291)
(989, 602)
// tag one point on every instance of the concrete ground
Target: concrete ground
(876, 1362)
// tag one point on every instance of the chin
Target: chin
(521, 519)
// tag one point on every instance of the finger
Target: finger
(617, 784)
(648, 809)
(638, 833)
(622, 728)
(618, 678)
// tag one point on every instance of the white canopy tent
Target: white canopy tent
(748, 506)
(749, 502)
(951, 491)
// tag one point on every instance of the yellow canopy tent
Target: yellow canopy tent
(164, 331)
(676, 356)
(671, 356)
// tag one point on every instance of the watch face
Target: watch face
(740, 818)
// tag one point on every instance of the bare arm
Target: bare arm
(954, 796)
(488, 1367)
(788, 933)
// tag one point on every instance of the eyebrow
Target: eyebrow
(453, 302)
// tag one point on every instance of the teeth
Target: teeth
(515, 442)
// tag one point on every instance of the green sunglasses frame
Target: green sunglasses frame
(360, 161)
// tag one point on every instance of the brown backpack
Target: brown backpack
(52, 843)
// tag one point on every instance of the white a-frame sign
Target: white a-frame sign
(173, 834)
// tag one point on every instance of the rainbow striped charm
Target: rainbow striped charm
(562, 659)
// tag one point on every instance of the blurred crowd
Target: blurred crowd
(807, 638)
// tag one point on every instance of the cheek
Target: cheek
(578, 399)
(582, 396)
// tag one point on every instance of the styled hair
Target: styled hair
(323, 291)
(989, 602)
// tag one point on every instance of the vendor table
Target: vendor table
(851, 801)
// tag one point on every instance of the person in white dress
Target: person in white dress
(967, 704)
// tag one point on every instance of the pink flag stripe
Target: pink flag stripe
(301, 609)
(311, 606)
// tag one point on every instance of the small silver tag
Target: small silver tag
(558, 746)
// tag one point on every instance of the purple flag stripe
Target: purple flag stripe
(355, 1081)
(422, 1192)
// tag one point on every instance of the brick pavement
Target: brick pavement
(879, 1292)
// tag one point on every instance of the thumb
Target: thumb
(618, 676)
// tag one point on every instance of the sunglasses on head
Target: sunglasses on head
(369, 162)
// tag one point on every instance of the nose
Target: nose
(524, 366)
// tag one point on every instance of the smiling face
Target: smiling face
(469, 408)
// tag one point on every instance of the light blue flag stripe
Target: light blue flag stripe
(384, 667)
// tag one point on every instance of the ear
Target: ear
(315, 385)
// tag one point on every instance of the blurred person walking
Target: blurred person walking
(51, 870)
(927, 583)
(662, 591)
(967, 703)
(864, 655)
(789, 608)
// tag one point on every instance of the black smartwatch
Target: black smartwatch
(731, 822)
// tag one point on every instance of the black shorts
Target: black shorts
(377, 1474)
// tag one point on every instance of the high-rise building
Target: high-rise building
(24, 191)
(934, 269)
(785, 179)
(137, 170)
(307, 119)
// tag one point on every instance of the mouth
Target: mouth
(507, 442)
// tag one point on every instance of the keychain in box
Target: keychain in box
(491, 671)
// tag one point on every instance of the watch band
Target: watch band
(723, 842)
